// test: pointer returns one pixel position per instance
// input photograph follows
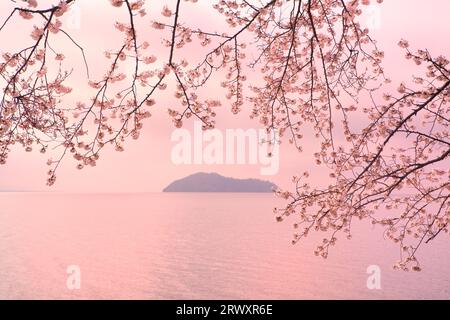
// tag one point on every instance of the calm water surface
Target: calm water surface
(191, 246)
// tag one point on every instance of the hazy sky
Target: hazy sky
(146, 164)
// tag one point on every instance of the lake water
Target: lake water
(192, 246)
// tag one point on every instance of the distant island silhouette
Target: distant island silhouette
(214, 182)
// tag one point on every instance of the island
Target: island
(214, 182)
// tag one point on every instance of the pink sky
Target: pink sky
(146, 163)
